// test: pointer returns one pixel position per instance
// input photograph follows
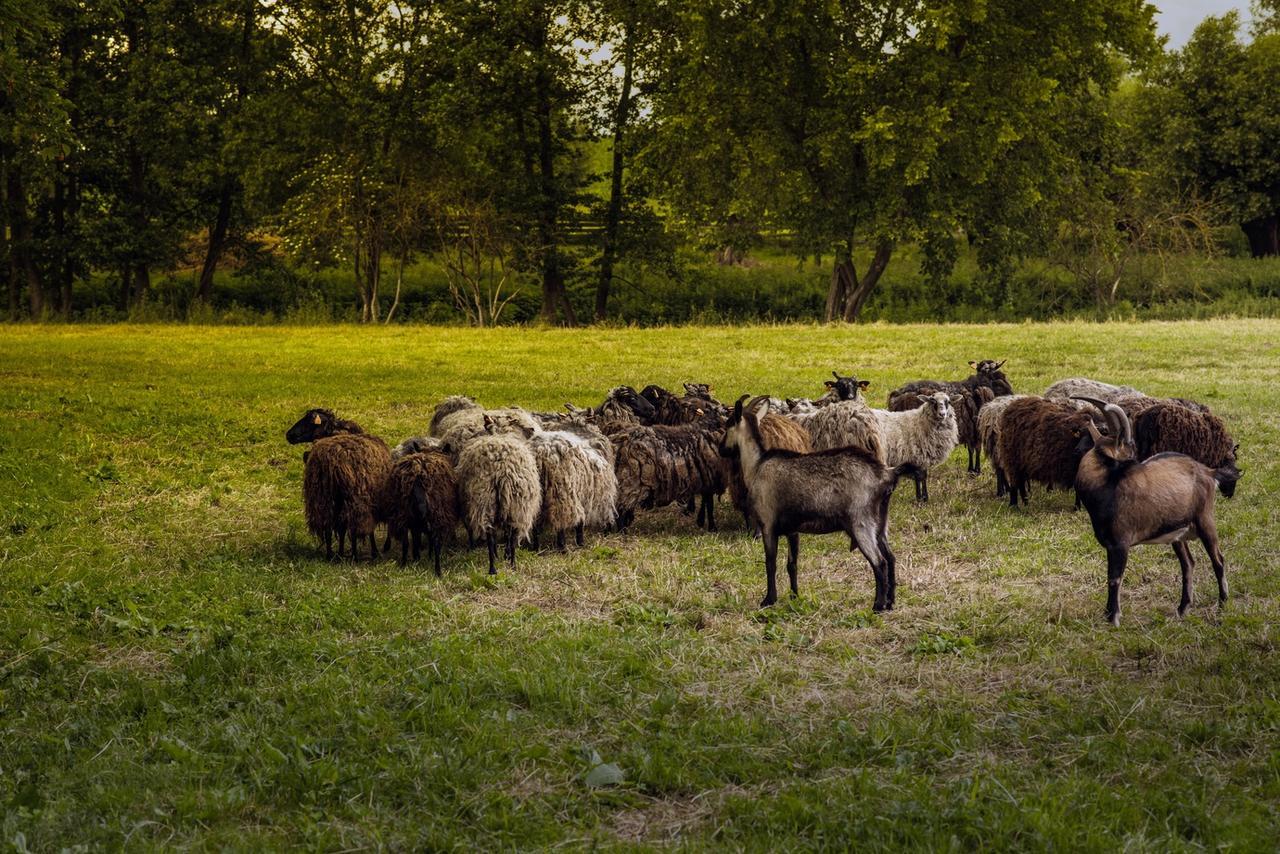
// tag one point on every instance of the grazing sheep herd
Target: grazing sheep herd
(1144, 468)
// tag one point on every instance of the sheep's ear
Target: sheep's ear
(972, 363)
(1000, 364)
(487, 421)
(862, 384)
(317, 420)
(829, 384)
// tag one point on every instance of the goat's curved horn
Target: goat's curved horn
(755, 402)
(1117, 419)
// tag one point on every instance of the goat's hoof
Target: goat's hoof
(767, 601)
(1114, 619)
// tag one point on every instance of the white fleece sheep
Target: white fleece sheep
(500, 489)
(923, 437)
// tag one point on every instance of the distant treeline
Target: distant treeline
(638, 160)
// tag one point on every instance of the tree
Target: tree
(871, 123)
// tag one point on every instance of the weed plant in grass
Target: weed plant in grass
(179, 667)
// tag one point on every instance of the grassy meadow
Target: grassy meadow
(179, 667)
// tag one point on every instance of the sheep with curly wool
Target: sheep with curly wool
(579, 485)
(420, 497)
(657, 465)
(989, 435)
(1169, 427)
(500, 489)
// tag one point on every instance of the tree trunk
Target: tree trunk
(6, 244)
(22, 264)
(141, 283)
(844, 278)
(66, 209)
(554, 299)
(1264, 236)
(855, 299)
(613, 214)
(217, 242)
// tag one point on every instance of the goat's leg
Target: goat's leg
(578, 535)
(890, 563)
(770, 568)
(793, 562)
(709, 505)
(1188, 563)
(1117, 557)
(1014, 487)
(866, 539)
(491, 539)
(1209, 537)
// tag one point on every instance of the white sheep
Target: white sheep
(847, 424)
(579, 486)
(500, 489)
(923, 437)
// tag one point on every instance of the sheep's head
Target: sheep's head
(315, 424)
(629, 397)
(941, 406)
(655, 394)
(1117, 444)
(846, 388)
(989, 370)
(702, 390)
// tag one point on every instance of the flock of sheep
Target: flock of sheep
(1146, 468)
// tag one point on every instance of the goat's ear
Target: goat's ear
(863, 383)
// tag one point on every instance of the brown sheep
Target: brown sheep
(1040, 440)
(659, 465)
(420, 496)
(341, 483)
(1200, 435)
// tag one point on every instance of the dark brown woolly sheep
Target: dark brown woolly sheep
(1040, 440)
(1200, 435)
(659, 465)
(671, 410)
(341, 484)
(777, 432)
(420, 496)
(984, 385)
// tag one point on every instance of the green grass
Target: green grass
(179, 668)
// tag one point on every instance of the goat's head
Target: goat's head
(1117, 445)
(315, 424)
(742, 418)
(846, 388)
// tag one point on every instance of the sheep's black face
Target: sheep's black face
(316, 424)
(846, 388)
(641, 407)
(654, 395)
(990, 371)
(702, 390)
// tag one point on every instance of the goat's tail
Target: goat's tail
(1226, 477)
(908, 469)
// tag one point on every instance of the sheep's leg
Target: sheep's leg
(689, 506)
(709, 505)
(1014, 487)
(511, 547)
(1022, 487)
(355, 545)
(1187, 563)
(560, 540)
(492, 540)
(386, 544)
(793, 562)
(977, 459)
(373, 547)
(342, 541)
(770, 568)
(434, 541)
(535, 538)
(328, 544)
(404, 549)
(1209, 538)
(1001, 484)
(1117, 557)
(417, 544)
(578, 536)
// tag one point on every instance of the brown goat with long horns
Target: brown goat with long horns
(1165, 499)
